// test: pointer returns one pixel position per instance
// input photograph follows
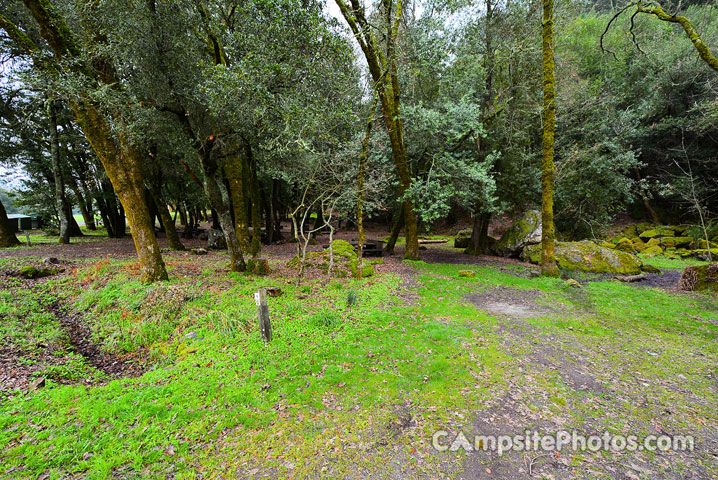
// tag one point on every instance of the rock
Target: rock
(650, 269)
(642, 227)
(467, 273)
(191, 335)
(608, 244)
(33, 273)
(701, 244)
(50, 260)
(653, 250)
(573, 283)
(654, 242)
(461, 240)
(700, 278)
(638, 244)
(625, 245)
(37, 383)
(345, 261)
(630, 231)
(587, 256)
(199, 251)
(673, 242)
(216, 240)
(258, 266)
(658, 232)
(702, 254)
(523, 233)
(274, 291)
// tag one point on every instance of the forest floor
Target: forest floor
(103, 376)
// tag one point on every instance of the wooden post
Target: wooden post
(265, 327)
(27, 238)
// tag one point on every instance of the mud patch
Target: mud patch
(511, 302)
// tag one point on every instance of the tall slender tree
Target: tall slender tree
(548, 237)
(383, 69)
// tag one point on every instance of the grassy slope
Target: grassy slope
(331, 395)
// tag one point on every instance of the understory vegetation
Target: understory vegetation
(355, 372)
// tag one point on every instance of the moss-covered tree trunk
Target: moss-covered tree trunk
(60, 198)
(396, 226)
(234, 172)
(256, 199)
(219, 199)
(124, 166)
(383, 69)
(548, 237)
(7, 230)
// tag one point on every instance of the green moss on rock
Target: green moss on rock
(526, 231)
(31, 272)
(625, 245)
(587, 256)
(653, 250)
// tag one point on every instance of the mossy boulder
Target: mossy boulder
(587, 256)
(630, 231)
(700, 278)
(467, 273)
(625, 245)
(642, 227)
(650, 269)
(675, 242)
(701, 243)
(607, 244)
(461, 240)
(653, 250)
(638, 244)
(654, 242)
(702, 254)
(33, 273)
(658, 232)
(525, 232)
(345, 261)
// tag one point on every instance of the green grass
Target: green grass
(670, 263)
(347, 358)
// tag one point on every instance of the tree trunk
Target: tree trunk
(219, 199)
(548, 237)
(60, 199)
(479, 242)
(166, 220)
(276, 205)
(395, 229)
(235, 172)
(255, 197)
(122, 162)
(74, 227)
(361, 174)
(86, 212)
(7, 231)
(268, 216)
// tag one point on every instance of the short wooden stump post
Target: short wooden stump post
(265, 327)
